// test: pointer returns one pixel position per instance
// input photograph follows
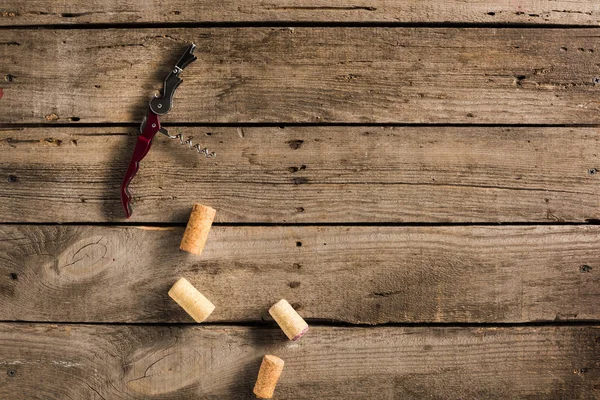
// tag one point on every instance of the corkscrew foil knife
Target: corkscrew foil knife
(159, 105)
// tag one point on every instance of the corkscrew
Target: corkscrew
(159, 105)
(191, 145)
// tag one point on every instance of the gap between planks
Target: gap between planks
(295, 24)
(324, 323)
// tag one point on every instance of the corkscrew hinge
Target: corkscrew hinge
(179, 135)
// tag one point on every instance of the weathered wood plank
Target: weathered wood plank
(365, 275)
(306, 174)
(382, 75)
(39, 12)
(190, 362)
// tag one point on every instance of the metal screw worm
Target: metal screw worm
(191, 145)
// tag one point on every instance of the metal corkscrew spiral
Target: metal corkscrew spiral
(191, 145)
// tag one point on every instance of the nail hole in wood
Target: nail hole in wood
(295, 144)
(585, 268)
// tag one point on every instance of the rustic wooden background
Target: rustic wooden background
(420, 179)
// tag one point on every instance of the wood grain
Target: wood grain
(305, 75)
(306, 174)
(175, 362)
(366, 275)
(39, 12)
(117, 277)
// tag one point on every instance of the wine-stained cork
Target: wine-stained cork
(191, 300)
(288, 320)
(196, 231)
(268, 375)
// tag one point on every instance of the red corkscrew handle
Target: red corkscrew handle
(142, 146)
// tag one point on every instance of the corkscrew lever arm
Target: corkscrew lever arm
(159, 105)
(162, 104)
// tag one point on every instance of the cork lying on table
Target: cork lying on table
(288, 320)
(196, 231)
(191, 300)
(268, 375)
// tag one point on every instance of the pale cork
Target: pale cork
(268, 375)
(196, 231)
(288, 320)
(191, 300)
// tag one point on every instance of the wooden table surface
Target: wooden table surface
(420, 179)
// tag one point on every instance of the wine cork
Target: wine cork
(196, 231)
(288, 320)
(268, 375)
(191, 300)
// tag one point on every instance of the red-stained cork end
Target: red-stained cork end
(290, 322)
(298, 336)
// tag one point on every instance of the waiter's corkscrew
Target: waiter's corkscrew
(159, 105)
